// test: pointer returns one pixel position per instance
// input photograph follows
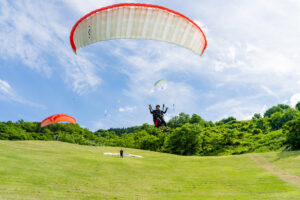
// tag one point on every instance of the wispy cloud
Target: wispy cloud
(251, 61)
(36, 34)
(295, 99)
(7, 93)
(236, 108)
(269, 91)
(86, 6)
(151, 63)
(127, 109)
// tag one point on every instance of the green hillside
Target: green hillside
(188, 135)
(57, 170)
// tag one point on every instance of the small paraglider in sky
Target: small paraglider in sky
(58, 118)
(158, 82)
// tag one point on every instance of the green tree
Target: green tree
(292, 130)
(149, 142)
(257, 131)
(298, 106)
(283, 106)
(3, 131)
(184, 140)
(228, 119)
(263, 124)
(278, 119)
(196, 119)
(179, 121)
(274, 109)
(257, 116)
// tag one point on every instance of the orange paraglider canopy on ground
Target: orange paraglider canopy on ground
(57, 118)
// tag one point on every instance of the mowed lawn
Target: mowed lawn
(56, 170)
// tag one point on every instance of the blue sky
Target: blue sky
(251, 63)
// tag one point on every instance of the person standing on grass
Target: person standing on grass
(121, 153)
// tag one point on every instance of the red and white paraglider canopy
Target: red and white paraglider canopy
(138, 21)
(57, 118)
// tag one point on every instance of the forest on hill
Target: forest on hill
(277, 129)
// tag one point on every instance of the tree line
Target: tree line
(279, 127)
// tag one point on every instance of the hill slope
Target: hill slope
(55, 170)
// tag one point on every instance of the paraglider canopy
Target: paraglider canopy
(158, 82)
(137, 21)
(125, 154)
(57, 118)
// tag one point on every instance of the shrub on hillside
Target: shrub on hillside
(292, 130)
(184, 140)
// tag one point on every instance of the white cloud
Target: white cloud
(7, 93)
(5, 88)
(203, 26)
(98, 125)
(153, 61)
(83, 7)
(269, 91)
(295, 99)
(251, 61)
(238, 108)
(127, 109)
(245, 54)
(36, 33)
(81, 72)
(231, 60)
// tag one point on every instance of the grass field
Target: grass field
(55, 170)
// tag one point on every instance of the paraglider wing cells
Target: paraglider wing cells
(138, 21)
(57, 118)
(158, 82)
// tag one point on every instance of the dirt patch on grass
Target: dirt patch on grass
(277, 171)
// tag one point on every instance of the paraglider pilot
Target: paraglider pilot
(158, 116)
